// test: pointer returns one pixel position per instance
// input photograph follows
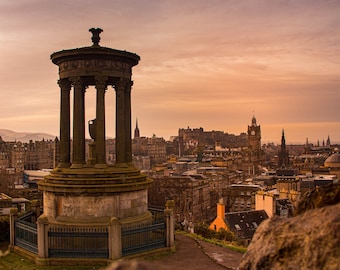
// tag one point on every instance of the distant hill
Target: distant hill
(11, 136)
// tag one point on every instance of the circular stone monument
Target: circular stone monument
(81, 192)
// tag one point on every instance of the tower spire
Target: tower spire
(283, 153)
(137, 134)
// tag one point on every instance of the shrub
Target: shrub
(203, 230)
(225, 235)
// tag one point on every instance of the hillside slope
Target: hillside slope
(11, 136)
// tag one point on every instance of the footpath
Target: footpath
(192, 254)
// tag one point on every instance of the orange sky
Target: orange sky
(210, 64)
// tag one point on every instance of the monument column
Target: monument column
(128, 140)
(101, 87)
(78, 122)
(120, 121)
(65, 87)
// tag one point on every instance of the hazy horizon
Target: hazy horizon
(211, 64)
(277, 142)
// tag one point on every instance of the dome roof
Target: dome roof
(333, 161)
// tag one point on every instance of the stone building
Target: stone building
(240, 197)
(288, 184)
(154, 148)
(196, 139)
(191, 196)
(41, 154)
(4, 162)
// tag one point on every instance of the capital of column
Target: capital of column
(101, 82)
(78, 82)
(64, 84)
(122, 84)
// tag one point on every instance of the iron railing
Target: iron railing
(143, 237)
(75, 242)
(26, 232)
(91, 242)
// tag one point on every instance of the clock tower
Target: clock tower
(254, 135)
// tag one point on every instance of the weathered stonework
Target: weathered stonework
(79, 194)
(89, 67)
(121, 205)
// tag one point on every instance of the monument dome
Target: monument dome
(333, 161)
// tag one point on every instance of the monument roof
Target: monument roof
(333, 160)
(94, 52)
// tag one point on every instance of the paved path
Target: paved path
(194, 254)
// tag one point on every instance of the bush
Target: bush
(203, 230)
(225, 235)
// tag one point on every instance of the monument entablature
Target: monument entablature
(95, 61)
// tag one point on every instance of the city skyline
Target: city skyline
(203, 64)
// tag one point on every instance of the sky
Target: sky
(211, 64)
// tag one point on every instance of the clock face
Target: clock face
(252, 132)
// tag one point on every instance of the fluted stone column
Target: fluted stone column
(101, 87)
(64, 152)
(120, 121)
(78, 122)
(128, 140)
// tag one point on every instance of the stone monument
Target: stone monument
(80, 193)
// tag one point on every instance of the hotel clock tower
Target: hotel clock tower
(254, 136)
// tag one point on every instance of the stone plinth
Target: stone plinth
(90, 193)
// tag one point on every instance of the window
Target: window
(237, 227)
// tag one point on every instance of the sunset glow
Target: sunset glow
(211, 64)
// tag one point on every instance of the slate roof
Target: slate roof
(245, 223)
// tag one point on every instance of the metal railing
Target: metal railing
(75, 242)
(26, 232)
(144, 237)
(91, 241)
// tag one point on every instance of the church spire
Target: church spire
(283, 153)
(328, 143)
(283, 139)
(137, 135)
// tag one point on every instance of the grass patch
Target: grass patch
(14, 261)
(217, 242)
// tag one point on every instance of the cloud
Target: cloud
(203, 63)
